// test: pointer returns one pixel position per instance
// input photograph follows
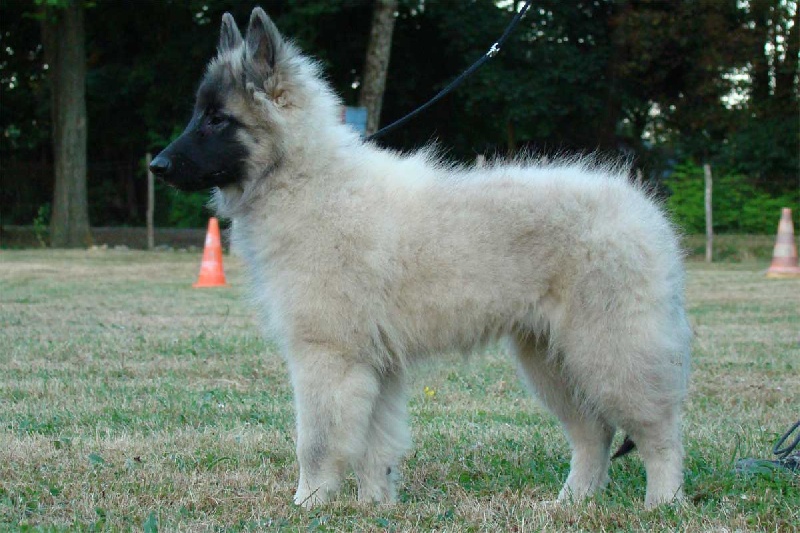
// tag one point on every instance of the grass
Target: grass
(129, 400)
(731, 247)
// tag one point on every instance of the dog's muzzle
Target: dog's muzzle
(161, 166)
(179, 171)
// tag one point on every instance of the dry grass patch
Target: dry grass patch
(130, 400)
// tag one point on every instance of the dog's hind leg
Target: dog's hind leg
(659, 442)
(334, 397)
(388, 439)
(639, 382)
(589, 436)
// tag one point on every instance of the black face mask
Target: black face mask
(207, 154)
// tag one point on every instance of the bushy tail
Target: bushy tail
(625, 448)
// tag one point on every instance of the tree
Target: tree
(63, 35)
(765, 132)
(650, 79)
(377, 62)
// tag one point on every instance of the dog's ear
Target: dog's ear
(262, 42)
(229, 36)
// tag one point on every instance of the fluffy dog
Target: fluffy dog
(363, 260)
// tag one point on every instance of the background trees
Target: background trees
(65, 54)
(376, 64)
(664, 83)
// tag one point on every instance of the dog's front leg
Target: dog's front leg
(334, 398)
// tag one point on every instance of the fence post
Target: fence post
(150, 202)
(709, 220)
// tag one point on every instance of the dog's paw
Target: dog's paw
(377, 494)
(308, 499)
(653, 501)
(549, 504)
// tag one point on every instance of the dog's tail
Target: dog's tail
(625, 448)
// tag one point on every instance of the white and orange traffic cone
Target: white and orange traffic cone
(211, 272)
(784, 257)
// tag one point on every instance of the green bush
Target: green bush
(179, 209)
(189, 210)
(41, 224)
(738, 206)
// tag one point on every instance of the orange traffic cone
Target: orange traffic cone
(211, 273)
(784, 258)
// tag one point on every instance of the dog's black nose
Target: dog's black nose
(160, 166)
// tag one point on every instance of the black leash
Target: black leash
(785, 454)
(493, 51)
(788, 456)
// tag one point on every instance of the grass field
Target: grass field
(129, 400)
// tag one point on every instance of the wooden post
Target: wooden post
(709, 220)
(151, 202)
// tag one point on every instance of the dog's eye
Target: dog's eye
(212, 122)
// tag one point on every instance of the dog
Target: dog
(363, 260)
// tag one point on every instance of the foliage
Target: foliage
(41, 224)
(183, 209)
(651, 81)
(767, 150)
(738, 205)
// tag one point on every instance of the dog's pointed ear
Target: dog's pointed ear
(262, 42)
(229, 36)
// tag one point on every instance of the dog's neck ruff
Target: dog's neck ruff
(233, 201)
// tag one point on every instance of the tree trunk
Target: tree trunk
(377, 62)
(66, 57)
